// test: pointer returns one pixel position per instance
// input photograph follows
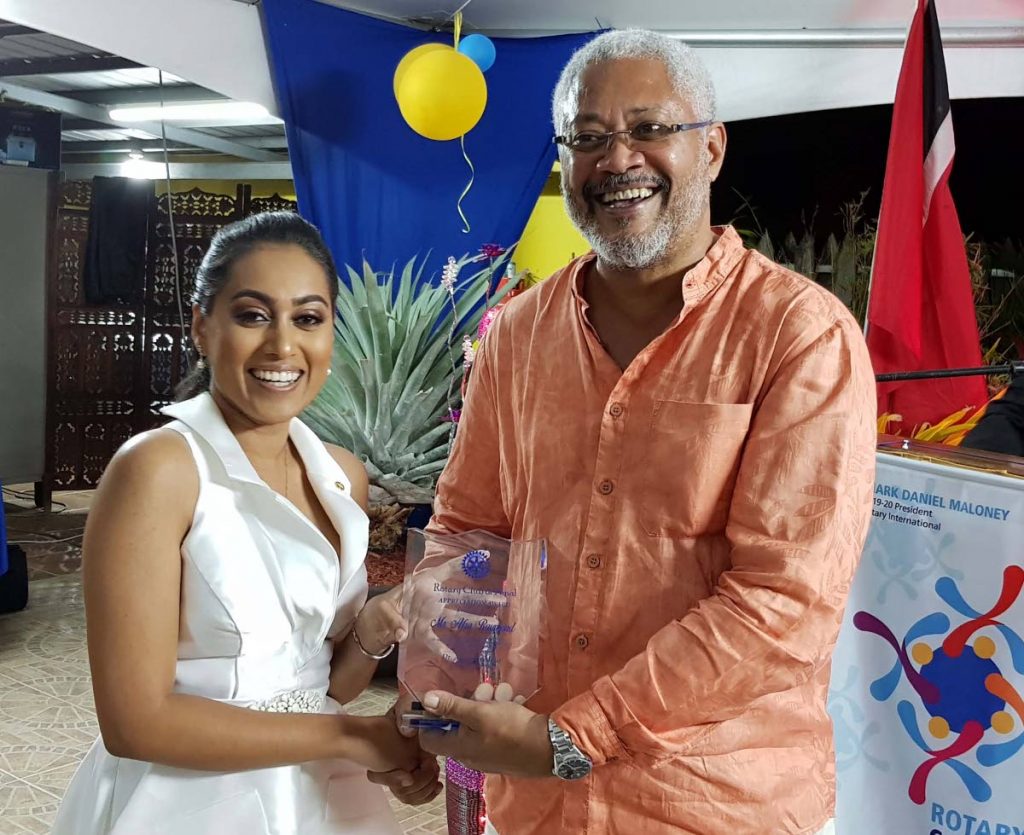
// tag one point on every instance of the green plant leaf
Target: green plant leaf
(397, 354)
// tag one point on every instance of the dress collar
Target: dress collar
(203, 417)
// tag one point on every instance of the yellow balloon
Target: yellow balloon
(412, 55)
(442, 95)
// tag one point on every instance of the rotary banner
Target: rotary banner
(928, 673)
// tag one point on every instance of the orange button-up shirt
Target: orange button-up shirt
(705, 510)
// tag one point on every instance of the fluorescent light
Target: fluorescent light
(142, 169)
(193, 112)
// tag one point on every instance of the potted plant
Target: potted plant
(395, 390)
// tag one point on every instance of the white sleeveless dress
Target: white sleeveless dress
(262, 594)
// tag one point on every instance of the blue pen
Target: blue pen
(432, 723)
(421, 721)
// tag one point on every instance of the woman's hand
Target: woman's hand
(413, 788)
(379, 623)
(375, 743)
(377, 627)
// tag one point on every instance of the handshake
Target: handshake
(493, 732)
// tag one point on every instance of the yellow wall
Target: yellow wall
(550, 240)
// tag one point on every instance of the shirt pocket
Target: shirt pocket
(688, 469)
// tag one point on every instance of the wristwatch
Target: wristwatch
(570, 762)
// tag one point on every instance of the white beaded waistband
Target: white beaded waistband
(294, 701)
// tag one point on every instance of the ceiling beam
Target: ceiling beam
(265, 141)
(172, 93)
(274, 140)
(120, 146)
(78, 124)
(123, 146)
(99, 114)
(8, 29)
(188, 170)
(100, 62)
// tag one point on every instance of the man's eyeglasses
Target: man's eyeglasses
(645, 133)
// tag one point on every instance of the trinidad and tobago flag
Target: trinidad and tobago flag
(921, 307)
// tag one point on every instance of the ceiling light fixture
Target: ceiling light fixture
(192, 112)
(142, 169)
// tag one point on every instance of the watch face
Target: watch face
(574, 768)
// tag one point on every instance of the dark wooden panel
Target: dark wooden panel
(112, 368)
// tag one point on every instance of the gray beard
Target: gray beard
(635, 252)
(675, 226)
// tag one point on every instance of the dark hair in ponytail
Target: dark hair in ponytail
(234, 241)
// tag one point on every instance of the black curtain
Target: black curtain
(115, 254)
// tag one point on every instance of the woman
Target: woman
(225, 589)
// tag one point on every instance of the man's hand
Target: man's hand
(416, 787)
(493, 737)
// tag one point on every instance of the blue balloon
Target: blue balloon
(480, 49)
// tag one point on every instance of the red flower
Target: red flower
(492, 250)
(486, 321)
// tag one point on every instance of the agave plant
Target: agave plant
(397, 362)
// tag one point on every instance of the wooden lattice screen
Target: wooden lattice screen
(112, 368)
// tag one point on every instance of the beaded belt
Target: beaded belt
(294, 701)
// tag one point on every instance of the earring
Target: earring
(330, 371)
(201, 365)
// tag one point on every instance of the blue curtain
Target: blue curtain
(376, 189)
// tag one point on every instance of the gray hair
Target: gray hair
(689, 75)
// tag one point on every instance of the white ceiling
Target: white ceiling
(756, 80)
(96, 73)
(218, 44)
(581, 15)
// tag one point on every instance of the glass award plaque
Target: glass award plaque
(473, 603)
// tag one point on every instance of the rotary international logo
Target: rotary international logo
(477, 564)
(972, 711)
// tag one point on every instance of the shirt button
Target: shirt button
(606, 487)
(582, 641)
(616, 410)
(594, 561)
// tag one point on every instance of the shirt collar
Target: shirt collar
(716, 265)
(700, 279)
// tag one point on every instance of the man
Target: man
(1001, 428)
(691, 427)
